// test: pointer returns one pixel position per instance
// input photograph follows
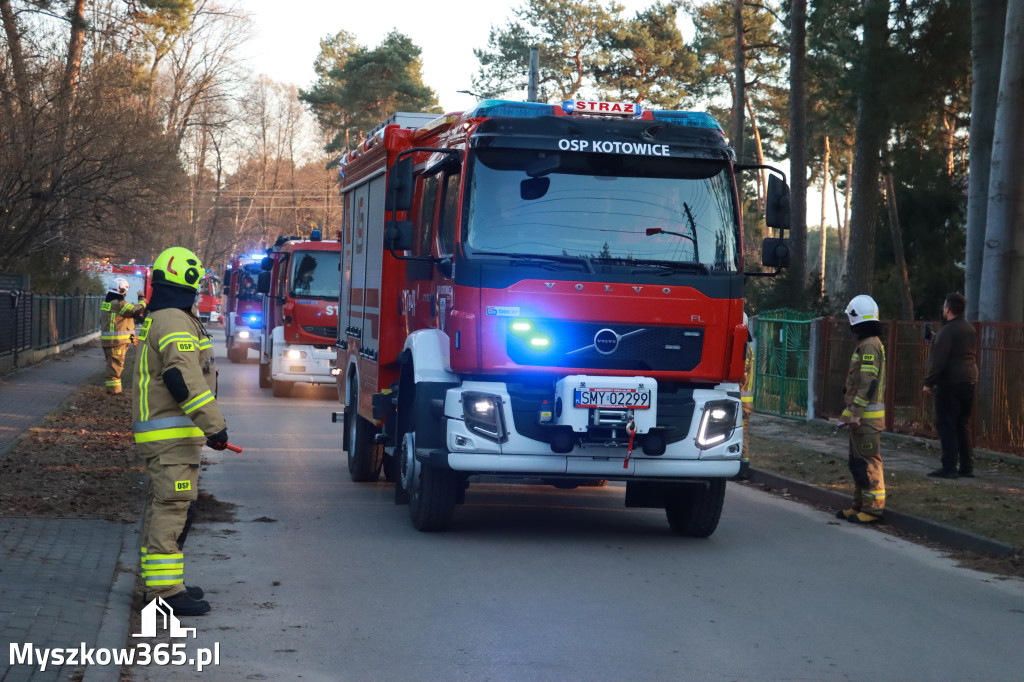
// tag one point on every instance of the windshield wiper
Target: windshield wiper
(528, 258)
(669, 267)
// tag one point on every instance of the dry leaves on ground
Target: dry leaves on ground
(78, 462)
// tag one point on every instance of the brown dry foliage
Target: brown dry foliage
(79, 462)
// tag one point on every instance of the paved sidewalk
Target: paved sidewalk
(56, 575)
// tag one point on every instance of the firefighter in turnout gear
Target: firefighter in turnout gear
(117, 324)
(174, 409)
(865, 412)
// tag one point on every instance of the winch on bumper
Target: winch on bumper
(584, 426)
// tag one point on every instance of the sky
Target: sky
(288, 42)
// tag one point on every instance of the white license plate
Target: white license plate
(612, 398)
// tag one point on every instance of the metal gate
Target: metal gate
(783, 356)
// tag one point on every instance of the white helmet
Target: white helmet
(119, 286)
(862, 309)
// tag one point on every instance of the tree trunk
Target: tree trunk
(906, 301)
(1003, 265)
(988, 19)
(797, 142)
(739, 76)
(872, 127)
(824, 231)
(759, 156)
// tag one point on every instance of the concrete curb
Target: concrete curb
(954, 538)
(116, 622)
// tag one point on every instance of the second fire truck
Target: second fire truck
(299, 282)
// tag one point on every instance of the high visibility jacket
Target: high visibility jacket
(747, 388)
(172, 338)
(865, 383)
(116, 322)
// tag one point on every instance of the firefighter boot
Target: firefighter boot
(185, 605)
(846, 514)
(861, 517)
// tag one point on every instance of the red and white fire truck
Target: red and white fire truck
(243, 306)
(209, 298)
(299, 326)
(140, 285)
(547, 291)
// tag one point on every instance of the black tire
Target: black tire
(238, 354)
(693, 510)
(432, 502)
(364, 456)
(433, 492)
(265, 380)
(282, 389)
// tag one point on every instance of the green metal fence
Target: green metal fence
(783, 356)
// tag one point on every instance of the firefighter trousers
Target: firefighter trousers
(866, 466)
(172, 488)
(114, 356)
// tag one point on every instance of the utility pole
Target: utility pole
(531, 88)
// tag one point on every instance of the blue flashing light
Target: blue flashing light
(253, 320)
(540, 342)
(507, 108)
(694, 119)
(257, 256)
(315, 235)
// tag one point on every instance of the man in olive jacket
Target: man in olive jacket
(175, 411)
(952, 375)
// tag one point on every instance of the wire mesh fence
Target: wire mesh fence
(998, 419)
(34, 321)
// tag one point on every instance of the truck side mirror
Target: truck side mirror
(267, 264)
(263, 282)
(775, 253)
(776, 213)
(399, 192)
(398, 235)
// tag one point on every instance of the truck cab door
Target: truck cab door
(447, 228)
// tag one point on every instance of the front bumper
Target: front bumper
(596, 451)
(313, 366)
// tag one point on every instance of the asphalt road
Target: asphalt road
(319, 578)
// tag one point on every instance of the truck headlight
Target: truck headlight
(717, 423)
(244, 335)
(295, 354)
(484, 415)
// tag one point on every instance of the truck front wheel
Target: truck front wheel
(433, 492)
(282, 389)
(265, 380)
(694, 510)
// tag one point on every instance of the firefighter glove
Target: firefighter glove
(218, 441)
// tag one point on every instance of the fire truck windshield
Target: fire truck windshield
(603, 207)
(314, 274)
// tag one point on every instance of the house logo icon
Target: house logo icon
(159, 609)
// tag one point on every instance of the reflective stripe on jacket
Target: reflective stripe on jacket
(173, 338)
(117, 323)
(865, 383)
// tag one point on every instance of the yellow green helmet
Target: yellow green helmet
(178, 266)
